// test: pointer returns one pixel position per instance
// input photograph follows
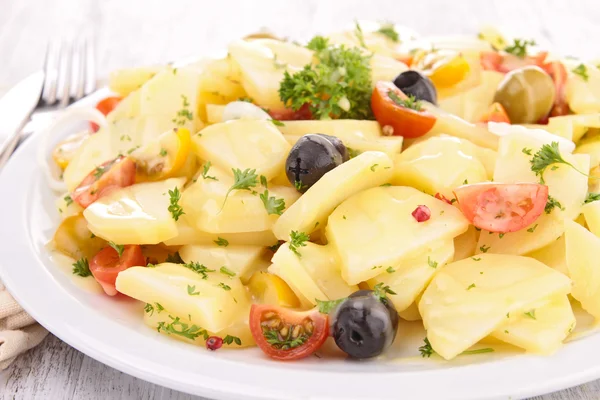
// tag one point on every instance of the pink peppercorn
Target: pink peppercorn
(422, 213)
(214, 343)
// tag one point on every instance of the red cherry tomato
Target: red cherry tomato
(276, 331)
(106, 265)
(557, 71)
(496, 113)
(105, 106)
(504, 62)
(502, 207)
(110, 176)
(404, 121)
(287, 114)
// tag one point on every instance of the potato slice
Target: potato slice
(381, 219)
(412, 312)
(241, 260)
(341, 128)
(367, 170)
(573, 127)
(583, 95)
(465, 244)
(425, 166)
(469, 299)
(124, 81)
(243, 144)
(583, 264)
(136, 214)
(209, 208)
(217, 305)
(553, 255)
(542, 328)
(591, 212)
(313, 276)
(409, 278)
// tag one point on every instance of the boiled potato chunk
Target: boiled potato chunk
(263, 62)
(375, 228)
(125, 81)
(583, 265)
(341, 128)
(244, 144)
(136, 214)
(314, 275)
(218, 304)
(240, 260)
(365, 171)
(209, 208)
(543, 232)
(591, 212)
(409, 278)
(565, 184)
(465, 244)
(590, 147)
(155, 319)
(426, 166)
(553, 255)
(187, 233)
(66, 206)
(129, 107)
(542, 328)
(583, 95)
(573, 126)
(469, 299)
(411, 313)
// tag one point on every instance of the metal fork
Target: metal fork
(70, 74)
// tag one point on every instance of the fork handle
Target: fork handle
(9, 146)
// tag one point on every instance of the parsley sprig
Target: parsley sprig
(592, 197)
(581, 70)
(272, 204)
(548, 155)
(389, 31)
(119, 248)
(232, 339)
(427, 351)
(298, 239)
(338, 86)
(176, 327)
(82, 268)
(174, 207)
(205, 170)
(551, 204)
(242, 180)
(381, 291)
(519, 47)
(411, 102)
(198, 268)
(327, 306)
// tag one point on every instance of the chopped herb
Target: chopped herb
(246, 99)
(592, 197)
(386, 185)
(484, 248)
(298, 239)
(82, 268)
(221, 242)
(527, 151)
(163, 152)
(519, 47)
(359, 35)
(232, 339)
(581, 70)
(478, 351)
(338, 86)
(159, 308)
(411, 102)
(199, 269)
(426, 350)
(548, 155)
(551, 203)
(184, 115)
(92, 236)
(471, 286)
(224, 286)
(343, 216)
(227, 271)
(148, 309)
(273, 205)
(118, 247)
(373, 167)
(279, 342)
(277, 64)
(174, 258)
(192, 290)
(242, 180)
(125, 137)
(390, 270)
(327, 306)
(99, 171)
(377, 266)
(176, 327)
(276, 122)
(174, 207)
(476, 258)
(263, 181)
(501, 235)
(131, 150)
(389, 31)
(298, 185)
(532, 229)
(276, 246)
(531, 314)
(353, 152)
(465, 182)
(205, 170)
(380, 291)
(431, 263)
(505, 331)
(68, 200)
(150, 265)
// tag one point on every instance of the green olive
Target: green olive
(527, 94)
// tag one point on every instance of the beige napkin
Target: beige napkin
(18, 331)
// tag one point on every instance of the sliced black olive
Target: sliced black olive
(413, 83)
(364, 325)
(313, 156)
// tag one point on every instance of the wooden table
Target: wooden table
(138, 32)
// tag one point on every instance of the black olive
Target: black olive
(413, 83)
(364, 325)
(313, 156)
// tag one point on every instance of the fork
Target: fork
(70, 74)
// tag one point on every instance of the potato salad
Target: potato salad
(291, 194)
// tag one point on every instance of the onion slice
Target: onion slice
(243, 110)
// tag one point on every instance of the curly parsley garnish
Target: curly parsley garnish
(411, 102)
(531, 314)
(184, 115)
(546, 156)
(427, 351)
(519, 47)
(82, 268)
(581, 70)
(221, 242)
(272, 204)
(198, 268)
(432, 263)
(174, 207)
(205, 170)
(298, 239)
(381, 291)
(338, 86)
(358, 32)
(232, 339)
(592, 197)
(242, 180)
(176, 327)
(551, 204)
(389, 31)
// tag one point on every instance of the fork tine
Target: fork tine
(90, 66)
(51, 74)
(78, 68)
(64, 74)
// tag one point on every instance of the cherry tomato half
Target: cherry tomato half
(496, 113)
(105, 106)
(502, 207)
(557, 71)
(106, 265)
(503, 62)
(287, 114)
(109, 176)
(284, 334)
(404, 121)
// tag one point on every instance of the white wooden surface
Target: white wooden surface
(137, 32)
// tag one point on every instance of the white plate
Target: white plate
(112, 332)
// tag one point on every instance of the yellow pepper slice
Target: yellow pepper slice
(445, 68)
(164, 157)
(64, 151)
(267, 288)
